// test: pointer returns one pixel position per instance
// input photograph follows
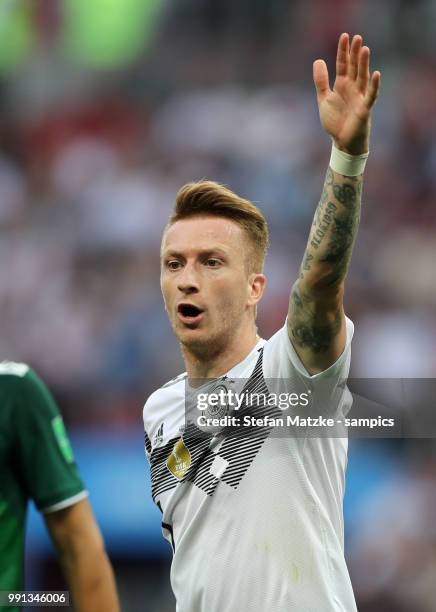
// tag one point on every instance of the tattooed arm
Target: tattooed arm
(316, 320)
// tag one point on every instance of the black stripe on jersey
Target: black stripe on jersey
(147, 444)
(238, 446)
(161, 478)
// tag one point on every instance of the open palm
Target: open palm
(345, 110)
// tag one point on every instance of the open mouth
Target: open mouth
(188, 313)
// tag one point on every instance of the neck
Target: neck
(217, 364)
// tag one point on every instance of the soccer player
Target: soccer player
(255, 521)
(36, 462)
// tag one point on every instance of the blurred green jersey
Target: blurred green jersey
(36, 462)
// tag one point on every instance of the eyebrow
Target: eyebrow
(203, 253)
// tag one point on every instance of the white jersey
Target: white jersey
(255, 521)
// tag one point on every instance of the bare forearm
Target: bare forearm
(83, 558)
(91, 581)
(332, 234)
(316, 317)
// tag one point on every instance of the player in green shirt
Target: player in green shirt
(36, 462)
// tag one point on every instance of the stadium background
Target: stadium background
(107, 107)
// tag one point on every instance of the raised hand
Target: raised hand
(345, 110)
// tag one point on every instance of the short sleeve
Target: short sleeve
(283, 369)
(46, 462)
(147, 445)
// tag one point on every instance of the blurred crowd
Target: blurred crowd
(98, 134)
(392, 547)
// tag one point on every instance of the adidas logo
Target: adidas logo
(158, 437)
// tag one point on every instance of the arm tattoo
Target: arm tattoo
(303, 328)
(325, 261)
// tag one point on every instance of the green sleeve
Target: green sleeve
(46, 462)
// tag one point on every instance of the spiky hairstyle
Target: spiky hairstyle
(207, 198)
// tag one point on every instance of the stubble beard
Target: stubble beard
(207, 347)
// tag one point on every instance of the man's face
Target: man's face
(207, 290)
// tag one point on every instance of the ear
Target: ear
(256, 286)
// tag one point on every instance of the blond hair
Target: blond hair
(207, 198)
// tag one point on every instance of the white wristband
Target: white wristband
(346, 164)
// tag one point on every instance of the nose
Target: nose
(188, 281)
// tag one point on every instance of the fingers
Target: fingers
(363, 70)
(321, 79)
(374, 88)
(352, 61)
(353, 64)
(342, 55)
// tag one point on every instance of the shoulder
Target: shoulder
(13, 369)
(24, 390)
(21, 376)
(174, 381)
(165, 401)
(169, 391)
(14, 378)
(281, 360)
